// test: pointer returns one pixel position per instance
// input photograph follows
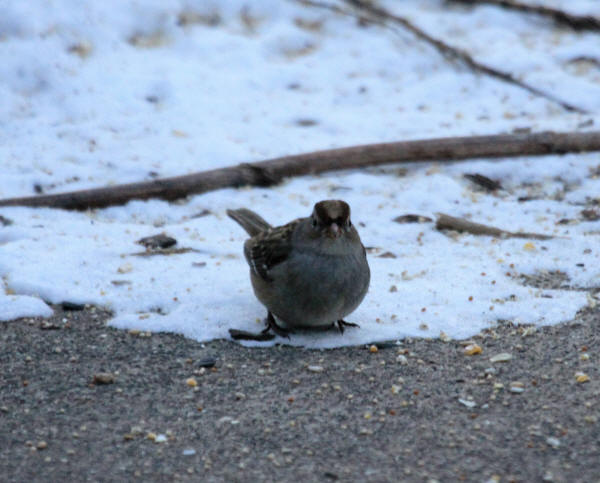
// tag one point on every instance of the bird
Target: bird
(309, 273)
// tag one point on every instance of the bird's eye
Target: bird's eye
(314, 223)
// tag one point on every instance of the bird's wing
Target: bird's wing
(270, 248)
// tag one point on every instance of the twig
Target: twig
(447, 222)
(165, 252)
(244, 335)
(272, 171)
(560, 17)
(448, 51)
(486, 183)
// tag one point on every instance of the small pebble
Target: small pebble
(315, 368)
(527, 331)
(230, 420)
(472, 349)
(445, 337)
(207, 362)
(581, 377)
(160, 438)
(373, 349)
(502, 357)
(190, 381)
(402, 359)
(467, 402)
(554, 442)
(104, 378)
(517, 387)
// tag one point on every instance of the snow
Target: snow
(102, 93)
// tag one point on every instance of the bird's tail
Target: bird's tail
(252, 222)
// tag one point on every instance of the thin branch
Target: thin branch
(447, 222)
(381, 15)
(560, 17)
(272, 171)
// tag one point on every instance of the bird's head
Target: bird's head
(331, 217)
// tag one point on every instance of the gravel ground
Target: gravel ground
(419, 411)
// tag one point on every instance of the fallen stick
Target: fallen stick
(560, 17)
(447, 222)
(244, 335)
(272, 171)
(447, 51)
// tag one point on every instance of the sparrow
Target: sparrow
(309, 273)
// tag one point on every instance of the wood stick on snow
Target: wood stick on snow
(382, 16)
(560, 17)
(267, 173)
(447, 222)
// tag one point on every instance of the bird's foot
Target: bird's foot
(342, 323)
(272, 325)
(263, 335)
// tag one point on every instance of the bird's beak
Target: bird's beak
(334, 230)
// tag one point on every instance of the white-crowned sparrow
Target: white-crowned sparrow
(310, 273)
